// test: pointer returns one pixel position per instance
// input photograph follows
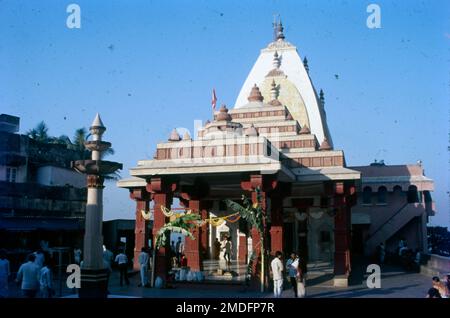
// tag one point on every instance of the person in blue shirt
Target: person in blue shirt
(292, 268)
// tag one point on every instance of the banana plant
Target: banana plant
(253, 214)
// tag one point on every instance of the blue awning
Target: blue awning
(46, 224)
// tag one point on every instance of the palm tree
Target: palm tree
(62, 140)
(39, 133)
(77, 144)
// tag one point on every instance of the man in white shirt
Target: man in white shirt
(122, 261)
(29, 274)
(277, 274)
(143, 262)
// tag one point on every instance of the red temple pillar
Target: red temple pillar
(191, 196)
(192, 246)
(276, 229)
(162, 192)
(204, 230)
(343, 200)
(141, 230)
(242, 252)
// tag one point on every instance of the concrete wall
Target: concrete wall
(317, 250)
(55, 176)
(435, 265)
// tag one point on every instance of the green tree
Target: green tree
(39, 133)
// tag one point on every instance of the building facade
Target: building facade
(394, 204)
(41, 198)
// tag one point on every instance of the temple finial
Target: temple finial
(274, 94)
(325, 145)
(186, 136)
(223, 114)
(277, 28)
(255, 95)
(273, 90)
(305, 64)
(174, 136)
(280, 35)
(322, 98)
(276, 60)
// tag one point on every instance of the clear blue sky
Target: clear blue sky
(149, 66)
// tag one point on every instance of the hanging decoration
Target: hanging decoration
(214, 221)
(145, 215)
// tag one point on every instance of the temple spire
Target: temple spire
(280, 35)
(278, 29)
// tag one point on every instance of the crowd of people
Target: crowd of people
(34, 276)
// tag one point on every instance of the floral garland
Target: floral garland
(214, 221)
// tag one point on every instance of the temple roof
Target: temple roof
(291, 67)
(277, 127)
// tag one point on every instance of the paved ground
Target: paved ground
(395, 283)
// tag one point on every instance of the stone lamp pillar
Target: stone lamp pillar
(94, 275)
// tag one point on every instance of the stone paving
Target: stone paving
(395, 283)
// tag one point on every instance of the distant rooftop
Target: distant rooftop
(9, 123)
(380, 169)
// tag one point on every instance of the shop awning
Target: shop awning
(45, 224)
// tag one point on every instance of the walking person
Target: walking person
(144, 259)
(29, 274)
(227, 253)
(216, 249)
(292, 267)
(277, 274)
(46, 280)
(5, 272)
(122, 261)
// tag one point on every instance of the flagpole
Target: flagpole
(213, 103)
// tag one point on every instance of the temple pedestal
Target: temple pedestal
(94, 283)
